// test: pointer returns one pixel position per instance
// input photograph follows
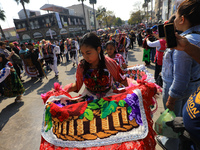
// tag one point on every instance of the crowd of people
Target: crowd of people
(177, 70)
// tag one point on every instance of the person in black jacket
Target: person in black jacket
(33, 54)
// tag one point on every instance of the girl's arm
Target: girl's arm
(9, 57)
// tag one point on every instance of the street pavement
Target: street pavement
(20, 123)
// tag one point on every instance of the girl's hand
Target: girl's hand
(170, 103)
(12, 69)
(182, 42)
(170, 106)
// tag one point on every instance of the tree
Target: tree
(27, 19)
(83, 9)
(118, 21)
(106, 17)
(2, 17)
(136, 17)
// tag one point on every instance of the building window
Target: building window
(19, 26)
(47, 20)
(23, 25)
(36, 24)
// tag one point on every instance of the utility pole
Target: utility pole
(95, 28)
(158, 15)
(168, 8)
(94, 2)
(151, 11)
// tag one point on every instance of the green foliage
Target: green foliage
(106, 107)
(93, 1)
(129, 109)
(88, 114)
(2, 15)
(22, 1)
(122, 103)
(136, 17)
(109, 109)
(81, 116)
(105, 16)
(100, 102)
(93, 106)
(48, 119)
(118, 21)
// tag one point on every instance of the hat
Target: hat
(166, 22)
(154, 27)
(11, 44)
(148, 30)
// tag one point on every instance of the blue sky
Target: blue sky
(121, 9)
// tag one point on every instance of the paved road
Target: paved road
(20, 123)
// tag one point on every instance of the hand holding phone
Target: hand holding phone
(170, 35)
(161, 31)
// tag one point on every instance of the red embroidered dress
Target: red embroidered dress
(99, 124)
(119, 59)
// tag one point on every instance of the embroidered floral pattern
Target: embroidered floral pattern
(133, 101)
(96, 83)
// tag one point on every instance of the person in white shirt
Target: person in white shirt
(74, 46)
(160, 48)
(49, 55)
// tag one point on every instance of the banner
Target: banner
(58, 20)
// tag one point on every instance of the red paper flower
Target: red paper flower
(53, 112)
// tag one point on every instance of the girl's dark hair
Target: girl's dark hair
(190, 9)
(92, 40)
(172, 18)
(111, 43)
(4, 60)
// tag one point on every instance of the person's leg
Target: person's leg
(1, 89)
(54, 66)
(76, 55)
(67, 57)
(169, 143)
(158, 69)
(39, 68)
(17, 69)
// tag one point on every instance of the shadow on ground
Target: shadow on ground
(8, 112)
(48, 86)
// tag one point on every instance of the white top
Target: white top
(154, 44)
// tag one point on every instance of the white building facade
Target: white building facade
(89, 17)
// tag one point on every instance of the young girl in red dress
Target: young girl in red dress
(111, 50)
(101, 118)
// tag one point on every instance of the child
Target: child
(95, 122)
(110, 47)
(11, 85)
(96, 63)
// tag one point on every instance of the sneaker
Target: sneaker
(18, 99)
(73, 64)
(40, 79)
(161, 140)
(56, 76)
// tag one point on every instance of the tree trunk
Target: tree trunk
(27, 19)
(2, 33)
(84, 13)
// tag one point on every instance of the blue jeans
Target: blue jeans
(152, 54)
(67, 56)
